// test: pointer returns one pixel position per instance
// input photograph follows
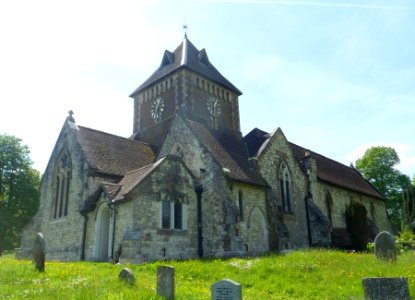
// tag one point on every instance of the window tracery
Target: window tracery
(62, 185)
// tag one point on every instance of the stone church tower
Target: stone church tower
(187, 184)
(186, 83)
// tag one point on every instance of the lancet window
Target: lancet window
(285, 187)
(62, 185)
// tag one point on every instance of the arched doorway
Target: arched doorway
(257, 231)
(102, 230)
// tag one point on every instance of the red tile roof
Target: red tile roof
(328, 170)
(113, 155)
(333, 172)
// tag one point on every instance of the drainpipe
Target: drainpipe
(309, 195)
(199, 191)
(85, 215)
(310, 239)
(111, 207)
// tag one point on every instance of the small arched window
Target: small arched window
(285, 187)
(62, 184)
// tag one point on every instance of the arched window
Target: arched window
(329, 207)
(62, 184)
(173, 214)
(285, 187)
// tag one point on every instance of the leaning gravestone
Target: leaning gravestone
(127, 276)
(385, 246)
(38, 252)
(384, 288)
(165, 282)
(226, 289)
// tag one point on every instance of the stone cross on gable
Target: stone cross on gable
(70, 116)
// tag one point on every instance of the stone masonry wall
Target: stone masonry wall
(218, 225)
(269, 162)
(341, 198)
(63, 235)
(140, 232)
(251, 219)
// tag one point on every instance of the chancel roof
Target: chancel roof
(328, 170)
(333, 172)
(113, 155)
(187, 56)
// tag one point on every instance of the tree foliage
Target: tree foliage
(19, 190)
(378, 166)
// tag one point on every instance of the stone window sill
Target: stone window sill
(289, 216)
(59, 220)
(165, 231)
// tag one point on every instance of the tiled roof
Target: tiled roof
(187, 56)
(111, 189)
(230, 152)
(131, 179)
(156, 134)
(254, 140)
(113, 155)
(333, 172)
(328, 170)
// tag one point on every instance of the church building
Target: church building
(187, 183)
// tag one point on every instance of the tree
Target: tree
(377, 166)
(19, 190)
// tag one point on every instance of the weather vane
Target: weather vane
(185, 29)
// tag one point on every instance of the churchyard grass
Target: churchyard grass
(309, 274)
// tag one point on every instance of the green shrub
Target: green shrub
(405, 241)
(370, 247)
(357, 226)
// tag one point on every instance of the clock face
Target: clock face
(157, 109)
(213, 106)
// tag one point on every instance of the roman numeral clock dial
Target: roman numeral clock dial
(213, 108)
(157, 109)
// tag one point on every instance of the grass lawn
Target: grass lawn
(309, 274)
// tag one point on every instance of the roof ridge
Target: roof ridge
(140, 169)
(328, 158)
(112, 134)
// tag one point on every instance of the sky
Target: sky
(337, 76)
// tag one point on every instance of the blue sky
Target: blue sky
(336, 76)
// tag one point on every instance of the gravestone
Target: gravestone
(384, 288)
(38, 252)
(127, 276)
(165, 282)
(226, 289)
(385, 246)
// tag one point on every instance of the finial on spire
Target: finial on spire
(185, 29)
(70, 116)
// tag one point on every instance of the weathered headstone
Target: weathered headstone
(38, 252)
(165, 282)
(384, 288)
(385, 247)
(127, 276)
(226, 289)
